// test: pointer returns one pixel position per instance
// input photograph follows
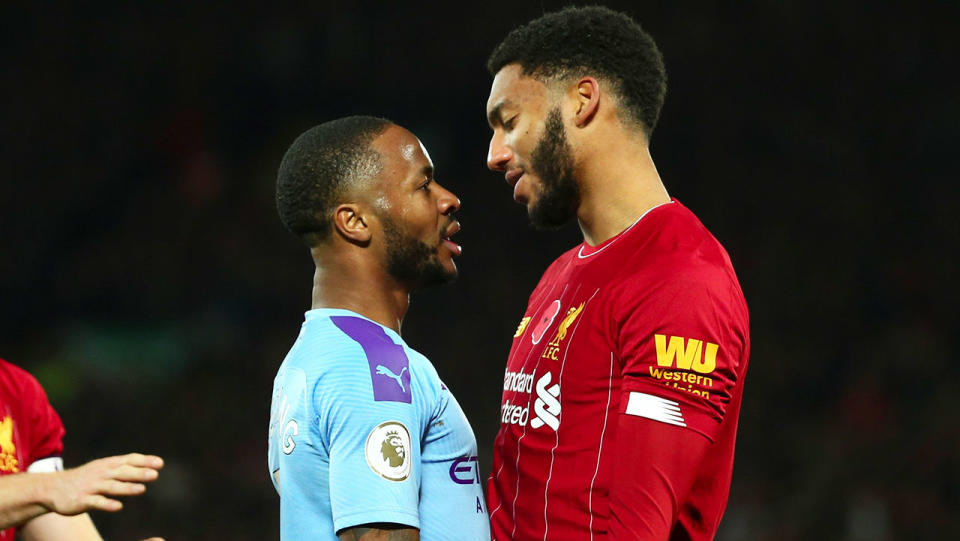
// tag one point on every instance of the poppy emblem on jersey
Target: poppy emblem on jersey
(388, 451)
(8, 452)
(546, 319)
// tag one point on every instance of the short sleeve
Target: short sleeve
(46, 428)
(371, 431)
(680, 343)
(374, 451)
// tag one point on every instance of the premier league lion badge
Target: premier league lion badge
(388, 451)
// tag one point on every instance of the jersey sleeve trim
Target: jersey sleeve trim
(49, 464)
(654, 407)
(641, 399)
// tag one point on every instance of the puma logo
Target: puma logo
(384, 371)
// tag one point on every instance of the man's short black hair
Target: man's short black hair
(598, 41)
(318, 167)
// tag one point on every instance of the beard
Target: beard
(412, 261)
(552, 161)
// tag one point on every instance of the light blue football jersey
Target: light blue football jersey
(362, 430)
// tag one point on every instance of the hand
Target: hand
(87, 487)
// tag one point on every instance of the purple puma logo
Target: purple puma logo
(384, 371)
(383, 356)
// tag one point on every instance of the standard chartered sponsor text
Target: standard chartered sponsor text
(518, 382)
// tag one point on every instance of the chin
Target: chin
(450, 271)
(438, 272)
(549, 219)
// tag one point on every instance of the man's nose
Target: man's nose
(499, 154)
(448, 202)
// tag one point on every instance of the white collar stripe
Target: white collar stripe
(622, 233)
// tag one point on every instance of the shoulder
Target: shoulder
(325, 364)
(17, 381)
(420, 363)
(676, 265)
(12, 372)
(562, 262)
(322, 345)
(556, 269)
(347, 354)
(677, 229)
(675, 247)
(429, 382)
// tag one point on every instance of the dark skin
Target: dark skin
(350, 266)
(351, 270)
(615, 172)
(380, 532)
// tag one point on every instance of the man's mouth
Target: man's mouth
(513, 176)
(452, 230)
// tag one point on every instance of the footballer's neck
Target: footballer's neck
(618, 183)
(358, 285)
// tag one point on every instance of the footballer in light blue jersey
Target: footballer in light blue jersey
(363, 431)
(365, 441)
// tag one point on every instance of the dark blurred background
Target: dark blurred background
(148, 283)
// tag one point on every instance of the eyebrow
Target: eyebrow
(493, 117)
(426, 171)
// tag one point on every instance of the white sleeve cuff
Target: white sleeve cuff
(656, 408)
(46, 465)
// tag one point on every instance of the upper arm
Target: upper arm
(680, 347)
(54, 527)
(46, 428)
(374, 457)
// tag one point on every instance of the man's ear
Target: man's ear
(587, 101)
(350, 223)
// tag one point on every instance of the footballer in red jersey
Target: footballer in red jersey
(31, 434)
(50, 503)
(622, 390)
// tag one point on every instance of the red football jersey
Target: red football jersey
(30, 429)
(622, 390)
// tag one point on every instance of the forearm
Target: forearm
(655, 468)
(54, 527)
(21, 498)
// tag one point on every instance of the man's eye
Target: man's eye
(425, 186)
(509, 123)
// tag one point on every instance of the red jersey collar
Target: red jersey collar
(587, 251)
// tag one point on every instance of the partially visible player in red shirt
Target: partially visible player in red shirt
(623, 385)
(39, 498)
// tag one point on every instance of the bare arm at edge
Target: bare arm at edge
(380, 532)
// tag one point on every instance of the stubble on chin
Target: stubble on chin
(558, 194)
(412, 261)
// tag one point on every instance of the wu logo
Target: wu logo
(697, 355)
(547, 405)
(384, 371)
